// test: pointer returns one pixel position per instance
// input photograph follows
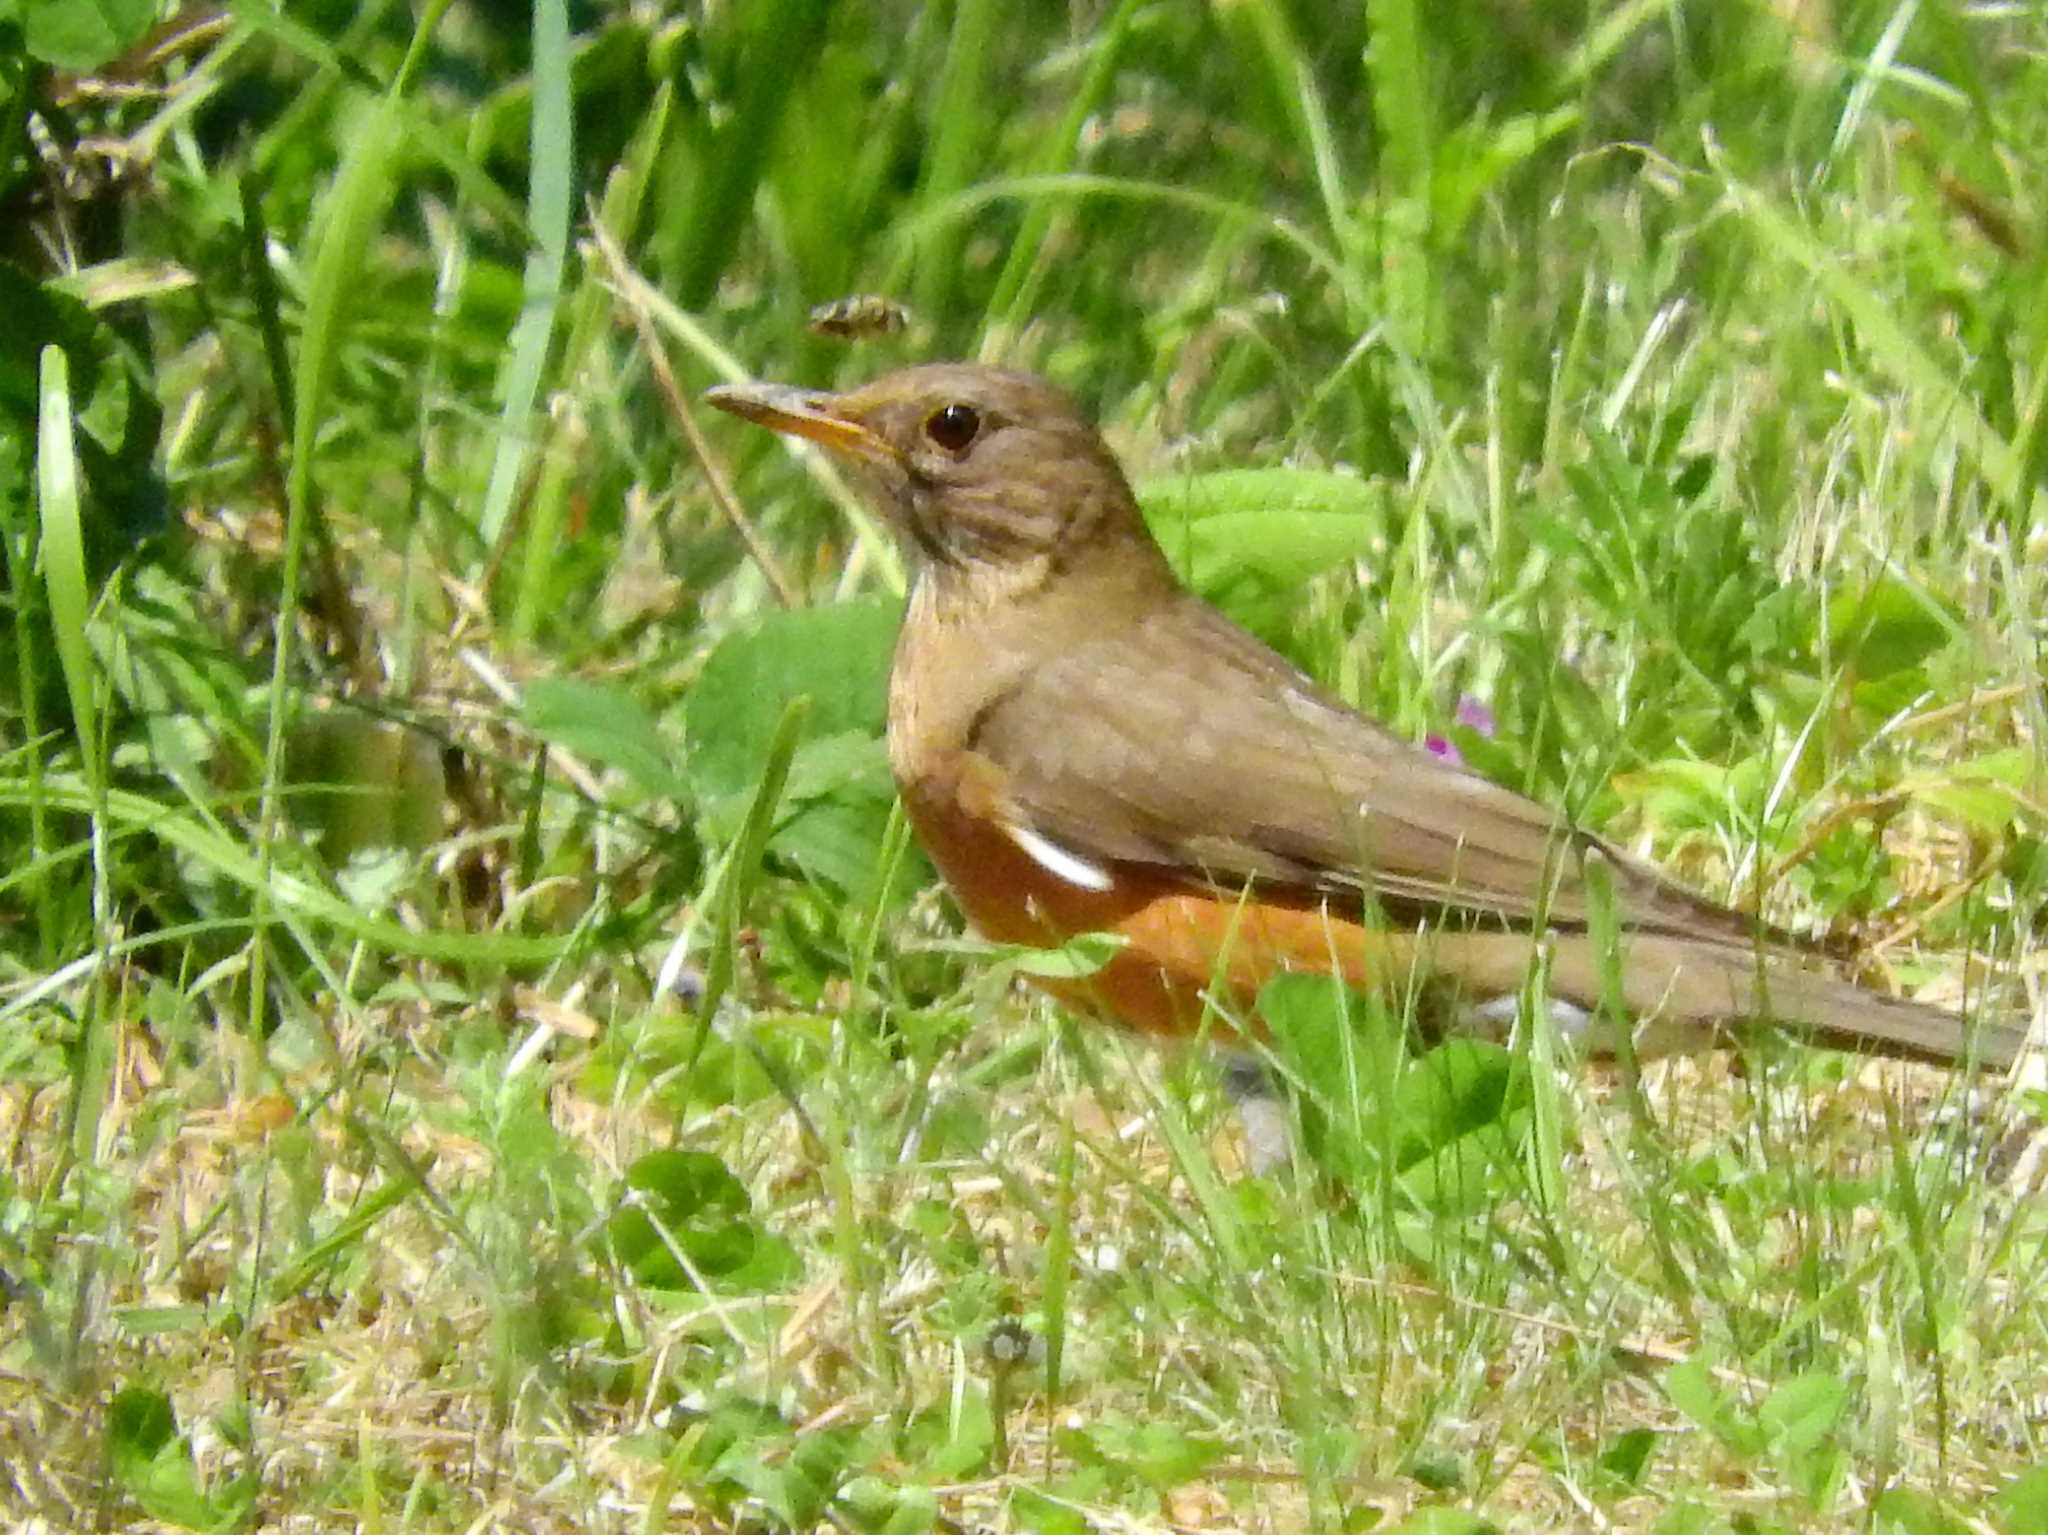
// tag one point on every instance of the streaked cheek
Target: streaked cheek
(883, 485)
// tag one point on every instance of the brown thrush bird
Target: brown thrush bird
(1084, 746)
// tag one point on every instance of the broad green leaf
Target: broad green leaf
(689, 1203)
(606, 725)
(1988, 792)
(688, 1184)
(1437, 1520)
(1463, 1116)
(1477, 154)
(1915, 1511)
(837, 656)
(1678, 794)
(1076, 959)
(1275, 528)
(1471, 1174)
(1449, 1120)
(153, 1465)
(839, 794)
(1689, 1518)
(1626, 1458)
(109, 395)
(2021, 1505)
(84, 34)
(1987, 808)
(1347, 1054)
(1887, 627)
(792, 1475)
(1804, 1410)
(951, 1442)
(1799, 1419)
(1046, 1515)
(824, 765)
(885, 1506)
(140, 1423)
(1691, 1386)
(1162, 1455)
(1458, 1088)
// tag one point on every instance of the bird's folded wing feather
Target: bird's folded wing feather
(1182, 742)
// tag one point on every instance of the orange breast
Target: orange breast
(1181, 940)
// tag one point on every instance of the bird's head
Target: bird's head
(976, 469)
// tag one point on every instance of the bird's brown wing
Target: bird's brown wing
(1184, 743)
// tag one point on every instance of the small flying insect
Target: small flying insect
(863, 314)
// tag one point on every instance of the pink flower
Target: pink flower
(1475, 716)
(1470, 715)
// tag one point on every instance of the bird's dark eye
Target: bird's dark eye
(953, 427)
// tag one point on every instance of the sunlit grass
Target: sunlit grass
(1666, 381)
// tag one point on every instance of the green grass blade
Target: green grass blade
(1397, 69)
(63, 554)
(713, 181)
(1223, 210)
(2031, 450)
(346, 233)
(743, 865)
(954, 151)
(1263, 27)
(550, 196)
(23, 541)
(1894, 348)
(1057, 1270)
(129, 812)
(1010, 301)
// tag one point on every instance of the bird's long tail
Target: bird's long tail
(1684, 990)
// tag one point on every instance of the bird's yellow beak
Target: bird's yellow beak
(802, 413)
